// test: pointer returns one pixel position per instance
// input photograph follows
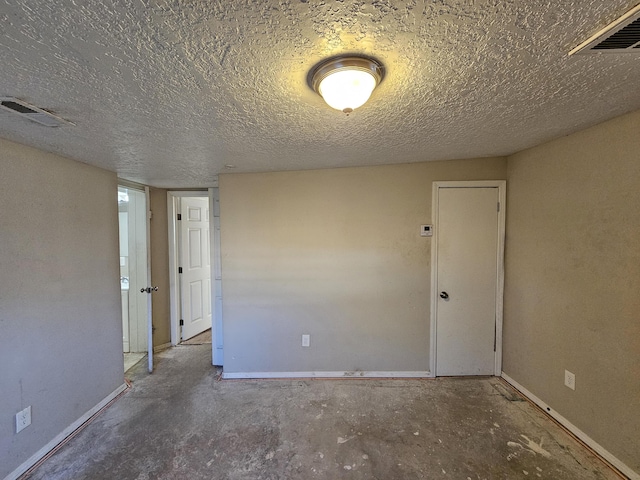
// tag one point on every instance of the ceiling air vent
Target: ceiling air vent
(620, 36)
(31, 112)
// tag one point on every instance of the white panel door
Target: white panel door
(467, 261)
(195, 280)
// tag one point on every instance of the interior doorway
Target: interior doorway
(132, 219)
(467, 284)
(194, 268)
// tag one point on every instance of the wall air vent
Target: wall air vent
(620, 36)
(31, 112)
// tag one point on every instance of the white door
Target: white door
(195, 280)
(135, 271)
(467, 236)
(123, 221)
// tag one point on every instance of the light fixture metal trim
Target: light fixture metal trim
(342, 63)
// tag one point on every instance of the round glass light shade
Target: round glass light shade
(346, 83)
(347, 90)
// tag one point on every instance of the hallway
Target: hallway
(183, 423)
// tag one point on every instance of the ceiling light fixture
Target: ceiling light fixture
(346, 83)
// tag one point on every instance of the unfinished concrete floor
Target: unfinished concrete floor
(183, 423)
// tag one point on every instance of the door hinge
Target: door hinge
(498, 206)
(179, 216)
(181, 322)
(179, 269)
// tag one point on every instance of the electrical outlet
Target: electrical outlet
(23, 419)
(305, 340)
(569, 379)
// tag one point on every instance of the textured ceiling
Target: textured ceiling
(166, 92)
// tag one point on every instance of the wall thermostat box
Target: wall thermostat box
(426, 230)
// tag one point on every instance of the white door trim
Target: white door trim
(147, 199)
(174, 281)
(501, 185)
(217, 337)
(136, 310)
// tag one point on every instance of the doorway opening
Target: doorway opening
(194, 269)
(134, 267)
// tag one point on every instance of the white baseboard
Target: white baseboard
(33, 459)
(595, 446)
(159, 348)
(346, 374)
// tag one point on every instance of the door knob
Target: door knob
(149, 289)
(444, 295)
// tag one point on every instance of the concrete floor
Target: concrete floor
(183, 423)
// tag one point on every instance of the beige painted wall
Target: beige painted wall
(60, 315)
(573, 279)
(336, 254)
(160, 266)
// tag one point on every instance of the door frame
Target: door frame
(147, 208)
(501, 185)
(173, 196)
(144, 190)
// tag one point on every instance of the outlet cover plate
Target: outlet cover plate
(305, 340)
(23, 419)
(570, 379)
